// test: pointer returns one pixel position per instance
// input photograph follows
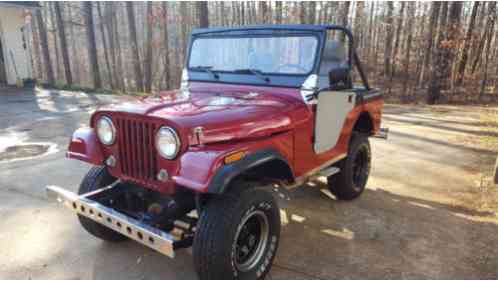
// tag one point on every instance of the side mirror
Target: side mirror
(339, 74)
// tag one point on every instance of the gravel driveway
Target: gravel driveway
(413, 222)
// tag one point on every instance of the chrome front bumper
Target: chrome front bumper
(151, 237)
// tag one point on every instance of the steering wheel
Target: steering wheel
(290, 65)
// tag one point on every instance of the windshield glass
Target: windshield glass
(279, 55)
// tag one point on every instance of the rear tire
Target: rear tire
(350, 182)
(237, 235)
(96, 178)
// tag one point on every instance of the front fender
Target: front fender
(84, 146)
(203, 170)
(221, 180)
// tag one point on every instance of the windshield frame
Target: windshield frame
(294, 80)
(313, 66)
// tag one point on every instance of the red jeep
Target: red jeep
(258, 107)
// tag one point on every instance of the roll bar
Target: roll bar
(353, 59)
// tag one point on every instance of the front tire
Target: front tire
(237, 235)
(350, 182)
(96, 178)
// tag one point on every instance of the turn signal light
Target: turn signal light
(234, 157)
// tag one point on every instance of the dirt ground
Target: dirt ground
(428, 212)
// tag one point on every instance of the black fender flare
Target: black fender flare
(223, 177)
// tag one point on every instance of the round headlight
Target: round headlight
(167, 142)
(106, 130)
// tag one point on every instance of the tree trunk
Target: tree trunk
(58, 68)
(397, 40)
(409, 31)
(490, 27)
(454, 34)
(263, 12)
(134, 46)
(36, 49)
(468, 40)
(439, 66)
(167, 76)
(104, 42)
(311, 12)
(358, 24)
(92, 47)
(120, 75)
(389, 39)
(302, 12)
(44, 44)
(74, 51)
(183, 29)
(370, 35)
(202, 9)
(108, 26)
(62, 38)
(426, 68)
(481, 42)
(148, 52)
(344, 19)
(278, 12)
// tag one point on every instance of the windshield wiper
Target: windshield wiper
(208, 69)
(255, 72)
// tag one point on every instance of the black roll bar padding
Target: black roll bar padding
(353, 58)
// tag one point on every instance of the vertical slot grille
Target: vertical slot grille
(136, 149)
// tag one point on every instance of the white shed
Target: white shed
(15, 60)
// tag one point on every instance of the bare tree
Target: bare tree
(203, 13)
(278, 12)
(104, 43)
(490, 27)
(44, 44)
(311, 12)
(134, 46)
(435, 8)
(468, 40)
(397, 39)
(56, 49)
(389, 39)
(167, 76)
(92, 47)
(302, 12)
(64, 48)
(36, 50)
(409, 31)
(344, 18)
(148, 54)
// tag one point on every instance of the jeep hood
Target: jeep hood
(223, 116)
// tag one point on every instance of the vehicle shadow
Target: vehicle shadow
(380, 235)
(383, 235)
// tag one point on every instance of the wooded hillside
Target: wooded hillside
(415, 51)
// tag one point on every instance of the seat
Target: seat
(333, 57)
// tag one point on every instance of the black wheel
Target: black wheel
(96, 178)
(350, 182)
(237, 235)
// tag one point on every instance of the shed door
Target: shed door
(332, 110)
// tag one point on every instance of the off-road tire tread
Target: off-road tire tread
(218, 214)
(96, 178)
(340, 184)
